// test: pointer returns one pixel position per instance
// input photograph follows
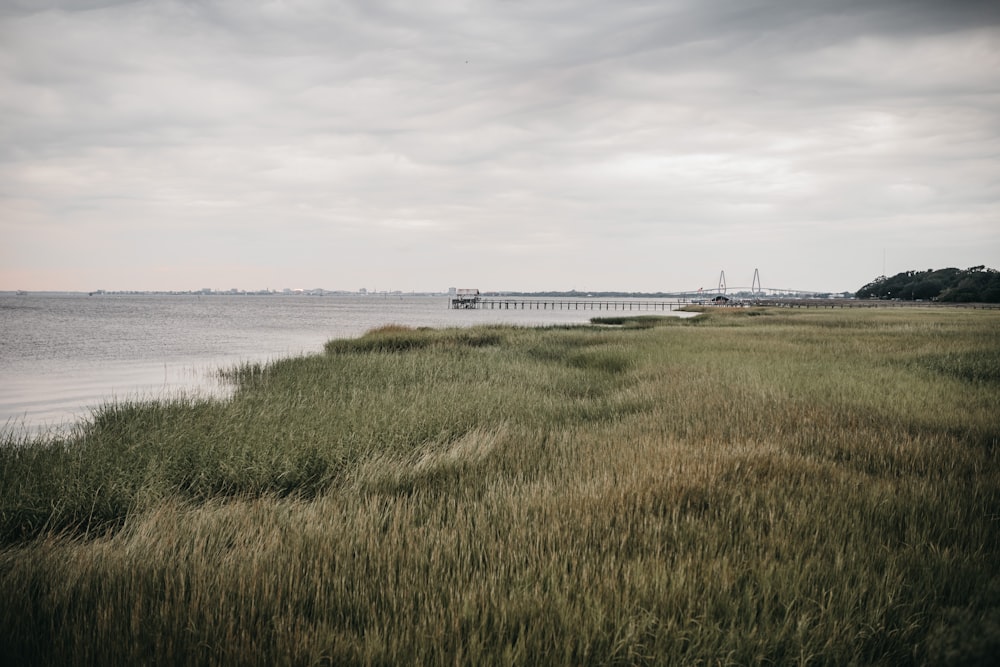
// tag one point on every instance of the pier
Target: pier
(562, 303)
(635, 305)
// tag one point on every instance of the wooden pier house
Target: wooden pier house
(465, 298)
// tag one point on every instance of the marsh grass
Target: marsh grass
(745, 487)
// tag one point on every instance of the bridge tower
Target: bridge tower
(755, 288)
(722, 282)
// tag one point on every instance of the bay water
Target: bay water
(64, 354)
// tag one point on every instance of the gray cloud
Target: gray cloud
(504, 144)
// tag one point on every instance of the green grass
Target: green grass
(750, 486)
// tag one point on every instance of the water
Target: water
(62, 355)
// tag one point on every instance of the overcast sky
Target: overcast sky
(636, 145)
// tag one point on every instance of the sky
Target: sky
(524, 145)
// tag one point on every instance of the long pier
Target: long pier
(517, 303)
(623, 305)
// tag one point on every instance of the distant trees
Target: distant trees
(975, 284)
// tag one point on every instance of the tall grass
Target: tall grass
(746, 487)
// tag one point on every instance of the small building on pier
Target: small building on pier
(465, 298)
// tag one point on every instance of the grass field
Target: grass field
(746, 487)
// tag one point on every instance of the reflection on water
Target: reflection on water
(47, 400)
(62, 355)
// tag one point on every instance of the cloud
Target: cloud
(416, 134)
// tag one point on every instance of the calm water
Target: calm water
(61, 355)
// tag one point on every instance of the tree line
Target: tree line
(976, 284)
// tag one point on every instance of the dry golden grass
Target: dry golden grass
(753, 487)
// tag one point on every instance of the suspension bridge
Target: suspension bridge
(721, 295)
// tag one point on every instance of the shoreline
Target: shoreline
(761, 484)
